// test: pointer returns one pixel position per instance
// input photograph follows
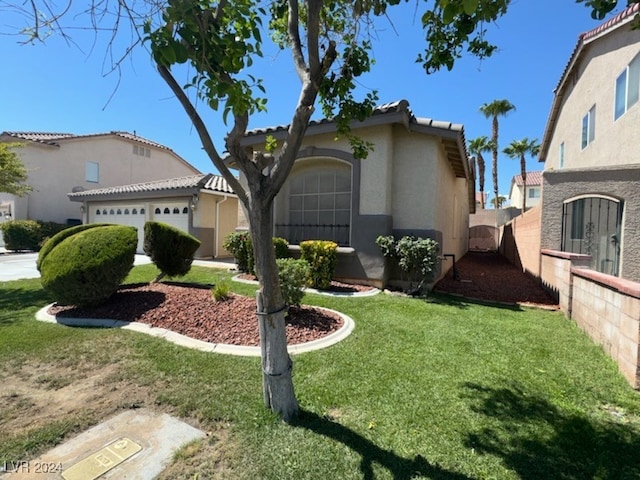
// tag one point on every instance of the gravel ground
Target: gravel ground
(193, 312)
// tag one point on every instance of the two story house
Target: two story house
(60, 163)
(591, 179)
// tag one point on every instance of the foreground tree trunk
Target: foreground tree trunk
(277, 379)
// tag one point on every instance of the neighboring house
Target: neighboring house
(591, 180)
(532, 191)
(202, 205)
(417, 181)
(59, 163)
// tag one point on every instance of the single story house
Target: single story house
(416, 181)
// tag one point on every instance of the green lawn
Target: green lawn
(437, 388)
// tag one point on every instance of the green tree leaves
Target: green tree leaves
(13, 173)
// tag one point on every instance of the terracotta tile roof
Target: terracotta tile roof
(215, 183)
(585, 38)
(533, 178)
(399, 106)
(49, 138)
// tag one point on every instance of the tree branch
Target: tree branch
(313, 32)
(295, 43)
(205, 138)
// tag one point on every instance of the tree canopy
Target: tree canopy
(13, 174)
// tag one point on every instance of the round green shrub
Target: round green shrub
(59, 237)
(170, 249)
(87, 267)
(322, 257)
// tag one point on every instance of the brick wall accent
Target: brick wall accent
(607, 308)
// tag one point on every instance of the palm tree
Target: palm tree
(518, 149)
(476, 147)
(493, 110)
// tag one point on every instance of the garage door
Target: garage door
(131, 215)
(176, 214)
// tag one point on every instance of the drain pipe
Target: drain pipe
(455, 270)
(217, 233)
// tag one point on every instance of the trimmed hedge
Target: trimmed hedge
(322, 257)
(21, 235)
(169, 248)
(87, 267)
(60, 236)
(28, 234)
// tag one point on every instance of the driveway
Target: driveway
(15, 266)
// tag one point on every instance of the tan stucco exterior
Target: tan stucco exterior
(58, 168)
(592, 82)
(604, 174)
(408, 185)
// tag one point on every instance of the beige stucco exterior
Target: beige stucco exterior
(604, 174)
(515, 195)
(409, 184)
(58, 167)
(592, 82)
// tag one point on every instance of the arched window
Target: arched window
(166, 210)
(157, 211)
(119, 212)
(176, 210)
(104, 212)
(112, 212)
(591, 226)
(134, 211)
(319, 204)
(98, 212)
(142, 211)
(185, 210)
(126, 211)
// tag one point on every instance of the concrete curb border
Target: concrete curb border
(185, 341)
(369, 293)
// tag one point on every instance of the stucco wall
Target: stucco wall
(619, 182)
(616, 142)
(55, 171)
(227, 222)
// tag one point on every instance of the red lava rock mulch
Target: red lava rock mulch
(193, 312)
(490, 277)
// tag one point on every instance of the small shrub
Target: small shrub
(239, 245)
(21, 235)
(281, 247)
(86, 268)
(220, 292)
(322, 256)
(294, 277)
(417, 258)
(170, 249)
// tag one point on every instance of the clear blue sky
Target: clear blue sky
(57, 87)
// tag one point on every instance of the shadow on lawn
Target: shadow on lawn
(14, 299)
(537, 440)
(441, 298)
(400, 468)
